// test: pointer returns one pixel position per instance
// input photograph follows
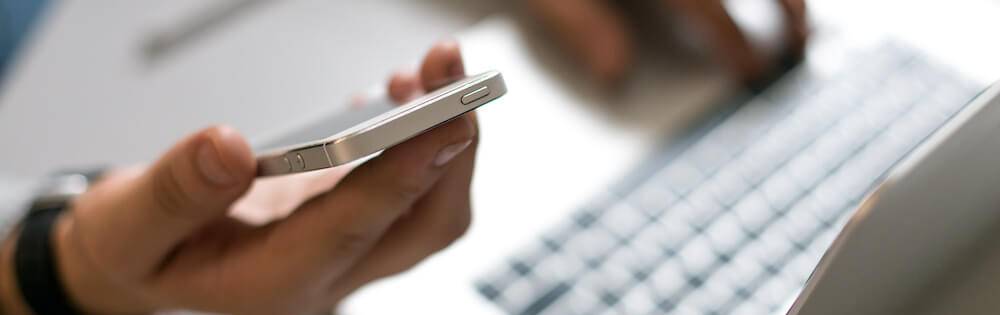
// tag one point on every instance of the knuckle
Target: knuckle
(95, 248)
(454, 227)
(169, 195)
(351, 242)
(408, 188)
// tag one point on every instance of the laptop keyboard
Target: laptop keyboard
(735, 221)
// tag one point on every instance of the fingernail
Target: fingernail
(210, 165)
(450, 152)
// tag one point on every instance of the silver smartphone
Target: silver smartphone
(385, 130)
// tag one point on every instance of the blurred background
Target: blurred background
(115, 82)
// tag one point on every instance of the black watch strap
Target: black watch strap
(35, 264)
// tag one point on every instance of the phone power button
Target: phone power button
(475, 95)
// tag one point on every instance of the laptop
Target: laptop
(928, 215)
(735, 218)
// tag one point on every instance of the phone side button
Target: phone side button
(300, 163)
(475, 95)
(287, 164)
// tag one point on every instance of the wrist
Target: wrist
(89, 289)
(92, 289)
(10, 296)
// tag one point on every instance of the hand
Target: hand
(167, 236)
(598, 34)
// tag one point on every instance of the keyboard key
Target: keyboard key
(776, 292)
(559, 267)
(610, 280)
(498, 278)
(780, 190)
(753, 212)
(556, 237)
(622, 220)
(637, 258)
(669, 280)
(524, 292)
(686, 214)
(806, 170)
(591, 245)
(666, 234)
(745, 125)
(586, 217)
(770, 250)
(652, 198)
(640, 300)
(726, 234)
(575, 301)
(708, 157)
(855, 131)
(487, 288)
(680, 176)
(609, 310)
(741, 273)
(697, 256)
(878, 112)
(834, 147)
(701, 209)
(529, 255)
(802, 128)
(709, 298)
(821, 211)
(684, 309)
(599, 203)
(727, 187)
(799, 226)
(832, 199)
(761, 160)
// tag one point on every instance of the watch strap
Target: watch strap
(36, 265)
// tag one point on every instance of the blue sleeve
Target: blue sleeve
(17, 18)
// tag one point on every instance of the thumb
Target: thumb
(131, 225)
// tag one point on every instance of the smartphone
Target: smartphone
(385, 130)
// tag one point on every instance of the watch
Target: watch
(35, 257)
(62, 188)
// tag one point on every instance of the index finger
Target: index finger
(730, 46)
(442, 65)
(797, 25)
(593, 30)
